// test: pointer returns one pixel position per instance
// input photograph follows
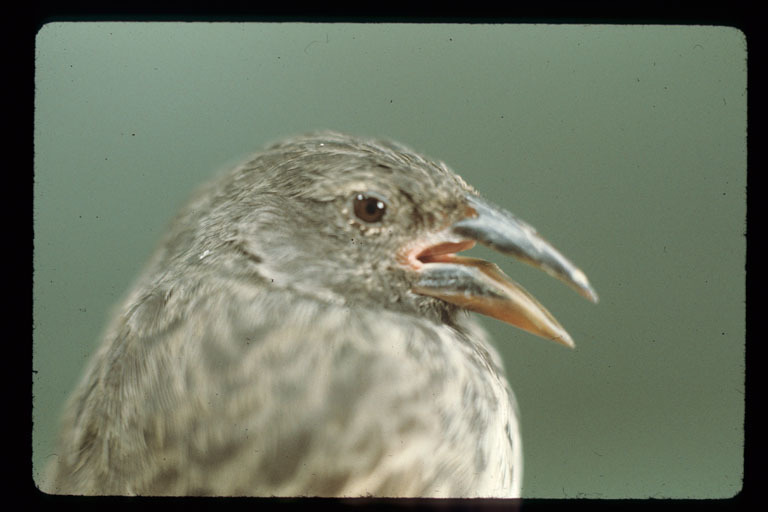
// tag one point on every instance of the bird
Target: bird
(305, 327)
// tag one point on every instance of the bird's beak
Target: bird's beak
(481, 286)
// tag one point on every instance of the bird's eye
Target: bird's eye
(369, 208)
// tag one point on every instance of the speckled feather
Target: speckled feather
(272, 346)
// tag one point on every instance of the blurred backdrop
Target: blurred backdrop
(625, 146)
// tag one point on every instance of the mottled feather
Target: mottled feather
(272, 348)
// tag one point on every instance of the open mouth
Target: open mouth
(481, 286)
(444, 252)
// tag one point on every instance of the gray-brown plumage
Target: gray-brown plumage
(301, 331)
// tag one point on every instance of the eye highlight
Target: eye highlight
(369, 208)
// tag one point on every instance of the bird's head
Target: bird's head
(371, 223)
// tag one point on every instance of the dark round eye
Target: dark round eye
(369, 208)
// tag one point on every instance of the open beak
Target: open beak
(481, 286)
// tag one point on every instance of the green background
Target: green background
(625, 146)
